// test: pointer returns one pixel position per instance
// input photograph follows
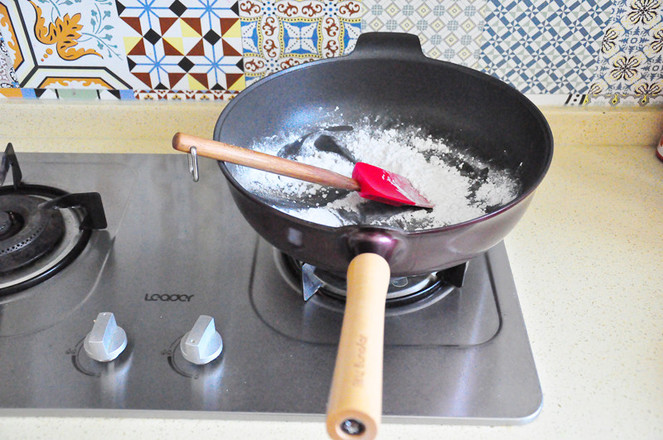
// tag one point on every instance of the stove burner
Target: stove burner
(402, 290)
(42, 230)
(6, 221)
(27, 230)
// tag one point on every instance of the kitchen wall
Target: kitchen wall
(558, 52)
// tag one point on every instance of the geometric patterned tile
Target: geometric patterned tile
(557, 100)
(630, 68)
(10, 93)
(450, 31)
(544, 46)
(573, 52)
(59, 44)
(277, 34)
(183, 44)
(125, 95)
(184, 95)
(29, 93)
(78, 94)
(68, 93)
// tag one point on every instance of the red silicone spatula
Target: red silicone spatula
(372, 182)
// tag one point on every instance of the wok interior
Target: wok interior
(478, 115)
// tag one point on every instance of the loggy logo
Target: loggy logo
(168, 298)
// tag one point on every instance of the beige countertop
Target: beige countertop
(588, 264)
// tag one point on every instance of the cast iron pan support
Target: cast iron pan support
(88, 205)
(8, 162)
(95, 216)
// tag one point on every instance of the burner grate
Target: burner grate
(42, 228)
(402, 290)
(29, 231)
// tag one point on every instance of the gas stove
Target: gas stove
(173, 305)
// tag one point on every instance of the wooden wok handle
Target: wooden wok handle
(354, 410)
(262, 161)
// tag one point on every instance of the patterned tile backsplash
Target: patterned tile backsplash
(450, 31)
(173, 46)
(572, 52)
(280, 34)
(544, 46)
(630, 65)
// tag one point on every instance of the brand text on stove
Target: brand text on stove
(168, 298)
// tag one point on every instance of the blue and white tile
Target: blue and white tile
(630, 67)
(449, 31)
(544, 47)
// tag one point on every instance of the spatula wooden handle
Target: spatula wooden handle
(354, 410)
(262, 161)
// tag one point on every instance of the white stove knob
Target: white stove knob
(203, 343)
(106, 340)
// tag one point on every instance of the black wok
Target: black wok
(387, 76)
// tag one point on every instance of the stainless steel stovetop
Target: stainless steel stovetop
(174, 250)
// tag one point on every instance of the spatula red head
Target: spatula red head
(387, 187)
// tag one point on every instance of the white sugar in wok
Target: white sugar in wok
(435, 169)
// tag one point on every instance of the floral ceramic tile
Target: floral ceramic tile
(448, 30)
(65, 43)
(14, 34)
(183, 45)
(544, 46)
(631, 59)
(277, 34)
(8, 76)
